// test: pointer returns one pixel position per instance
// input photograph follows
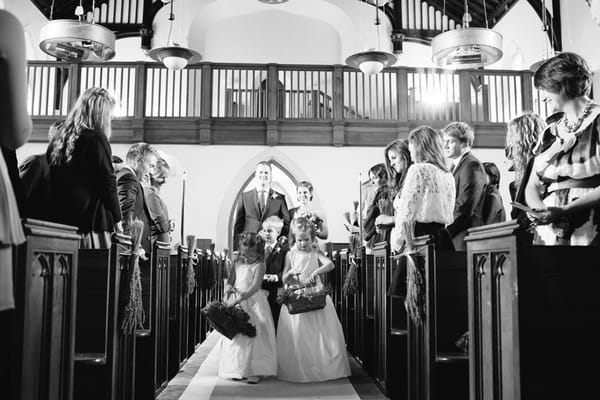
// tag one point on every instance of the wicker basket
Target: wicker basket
(219, 319)
(306, 303)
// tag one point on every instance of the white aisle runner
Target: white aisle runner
(207, 385)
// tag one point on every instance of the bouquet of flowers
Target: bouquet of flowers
(133, 314)
(229, 320)
(313, 217)
(303, 298)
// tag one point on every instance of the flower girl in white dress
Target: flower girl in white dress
(243, 356)
(310, 345)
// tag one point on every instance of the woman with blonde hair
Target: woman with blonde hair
(84, 188)
(428, 193)
(161, 225)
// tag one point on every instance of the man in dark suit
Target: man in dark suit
(275, 251)
(257, 205)
(470, 181)
(141, 159)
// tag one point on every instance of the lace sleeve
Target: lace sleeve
(408, 204)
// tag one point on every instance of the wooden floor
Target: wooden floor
(198, 380)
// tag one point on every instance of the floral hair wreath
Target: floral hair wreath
(303, 224)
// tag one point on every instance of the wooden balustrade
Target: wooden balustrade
(104, 355)
(533, 313)
(44, 329)
(270, 104)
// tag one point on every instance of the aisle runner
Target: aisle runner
(207, 385)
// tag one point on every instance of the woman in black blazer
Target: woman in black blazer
(82, 178)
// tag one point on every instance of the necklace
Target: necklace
(572, 127)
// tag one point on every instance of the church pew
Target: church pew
(151, 373)
(390, 325)
(104, 356)
(436, 367)
(533, 317)
(333, 277)
(367, 271)
(44, 326)
(178, 311)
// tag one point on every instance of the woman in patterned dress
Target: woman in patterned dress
(564, 187)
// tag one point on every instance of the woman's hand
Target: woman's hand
(548, 215)
(384, 220)
(119, 227)
(310, 280)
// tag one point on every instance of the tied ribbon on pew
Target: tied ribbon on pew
(190, 274)
(414, 301)
(350, 285)
(133, 315)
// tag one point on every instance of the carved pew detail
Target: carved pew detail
(45, 295)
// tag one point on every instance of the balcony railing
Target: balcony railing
(287, 93)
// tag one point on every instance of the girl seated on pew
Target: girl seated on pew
(245, 357)
(310, 345)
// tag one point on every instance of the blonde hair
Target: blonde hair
(93, 111)
(274, 222)
(522, 135)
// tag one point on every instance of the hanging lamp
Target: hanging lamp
(273, 1)
(173, 56)
(467, 47)
(77, 40)
(547, 52)
(372, 61)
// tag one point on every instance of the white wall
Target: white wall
(215, 174)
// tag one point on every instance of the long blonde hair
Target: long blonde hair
(428, 146)
(93, 111)
(522, 135)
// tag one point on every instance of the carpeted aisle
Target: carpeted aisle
(205, 384)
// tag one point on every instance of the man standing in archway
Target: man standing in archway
(258, 204)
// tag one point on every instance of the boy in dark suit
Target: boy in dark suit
(275, 253)
(470, 180)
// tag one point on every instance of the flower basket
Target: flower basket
(298, 300)
(228, 320)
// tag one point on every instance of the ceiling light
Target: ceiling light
(173, 56)
(467, 47)
(273, 1)
(372, 61)
(77, 40)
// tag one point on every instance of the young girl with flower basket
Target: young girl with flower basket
(310, 345)
(244, 356)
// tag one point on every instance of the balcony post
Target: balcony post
(338, 106)
(402, 101)
(272, 125)
(206, 96)
(74, 84)
(465, 97)
(527, 90)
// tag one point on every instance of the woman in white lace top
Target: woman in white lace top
(428, 193)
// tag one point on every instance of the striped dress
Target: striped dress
(569, 166)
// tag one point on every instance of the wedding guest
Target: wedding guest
(564, 185)
(397, 162)
(493, 208)
(15, 128)
(304, 192)
(522, 135)
(160, 226)
(275, 252)
(470, 181)
(83, 186)
(140, 160)
(258, 204)
(310, 345)
(428, 193)
(380, 204)
(243, 356)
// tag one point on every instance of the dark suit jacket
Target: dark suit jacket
(470, 179)
(35, 174)
(84, 191)
(274, 263)
(249, 218)
(133, 204)
(493, 208)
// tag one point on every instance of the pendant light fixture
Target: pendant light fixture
(467, 47)
(372, 61)
(547, 52)
(77, 40)
(173, 56)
